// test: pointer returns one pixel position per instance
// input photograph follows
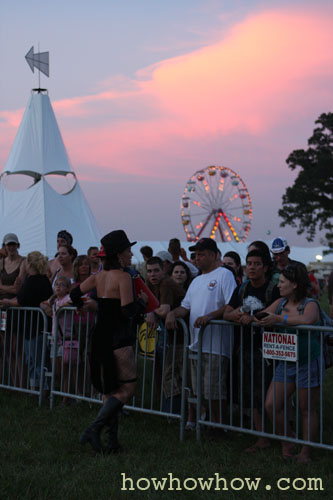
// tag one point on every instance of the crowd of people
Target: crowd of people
(205, 286)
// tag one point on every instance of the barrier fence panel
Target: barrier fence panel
(161, 359)
(69, 344)
(230, 375)
(23, 356)
(236, 384)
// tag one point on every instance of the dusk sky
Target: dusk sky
(148, 92)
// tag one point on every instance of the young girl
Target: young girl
(64, 369)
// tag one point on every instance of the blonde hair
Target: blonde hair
(38, 262)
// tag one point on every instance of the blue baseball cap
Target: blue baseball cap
(279, 245)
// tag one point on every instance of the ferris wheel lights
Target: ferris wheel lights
(227, 190)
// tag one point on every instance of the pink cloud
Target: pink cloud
(267, 70)
(10, 119)
(250, 79)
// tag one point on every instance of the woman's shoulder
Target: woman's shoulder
(309, 303)
(122, 277)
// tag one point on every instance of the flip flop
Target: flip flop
(190, 426)
(302, 460)
(288, 453)
(255, 448)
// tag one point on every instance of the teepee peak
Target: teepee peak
(38, 148)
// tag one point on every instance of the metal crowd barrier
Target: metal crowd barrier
(242, 407)
(58, 361)
(23, 355)
(69, 345)
(162, 372)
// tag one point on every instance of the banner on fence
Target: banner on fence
(282, 346)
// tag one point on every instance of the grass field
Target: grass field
(41, 457)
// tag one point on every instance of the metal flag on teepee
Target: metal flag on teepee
(40, 60)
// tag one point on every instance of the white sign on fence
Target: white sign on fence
(279, 346)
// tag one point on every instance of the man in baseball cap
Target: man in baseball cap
(204, 244)
(205, 300)
(280, 251)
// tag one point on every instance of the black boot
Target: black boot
(92, 433)
(112, 443)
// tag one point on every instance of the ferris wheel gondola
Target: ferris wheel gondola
(216, 204)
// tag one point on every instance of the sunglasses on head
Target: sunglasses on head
(291, 270)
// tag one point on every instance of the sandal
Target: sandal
(257, 447)
(287, 453)
(302, 460)
(190, 426)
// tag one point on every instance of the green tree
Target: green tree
(308, 204)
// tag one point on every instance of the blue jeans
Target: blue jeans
(33, 356)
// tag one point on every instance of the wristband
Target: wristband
(285, 319)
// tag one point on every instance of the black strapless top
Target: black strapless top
(113, 329)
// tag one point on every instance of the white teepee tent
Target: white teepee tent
(37, 214)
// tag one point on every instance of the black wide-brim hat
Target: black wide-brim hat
(116, 242)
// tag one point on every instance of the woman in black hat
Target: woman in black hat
(113, 369)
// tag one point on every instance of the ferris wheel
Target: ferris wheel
(216, 204)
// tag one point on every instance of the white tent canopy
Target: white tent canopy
(38, 213)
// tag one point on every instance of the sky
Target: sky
(148, 92)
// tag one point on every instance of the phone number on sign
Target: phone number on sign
(281, 354)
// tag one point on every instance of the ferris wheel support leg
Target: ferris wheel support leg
(221, 234)
(204, 225)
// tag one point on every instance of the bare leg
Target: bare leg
(306, 413)
(215, 407)
(279, 410)
(261, 442)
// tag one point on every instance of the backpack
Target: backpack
(325, 320)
